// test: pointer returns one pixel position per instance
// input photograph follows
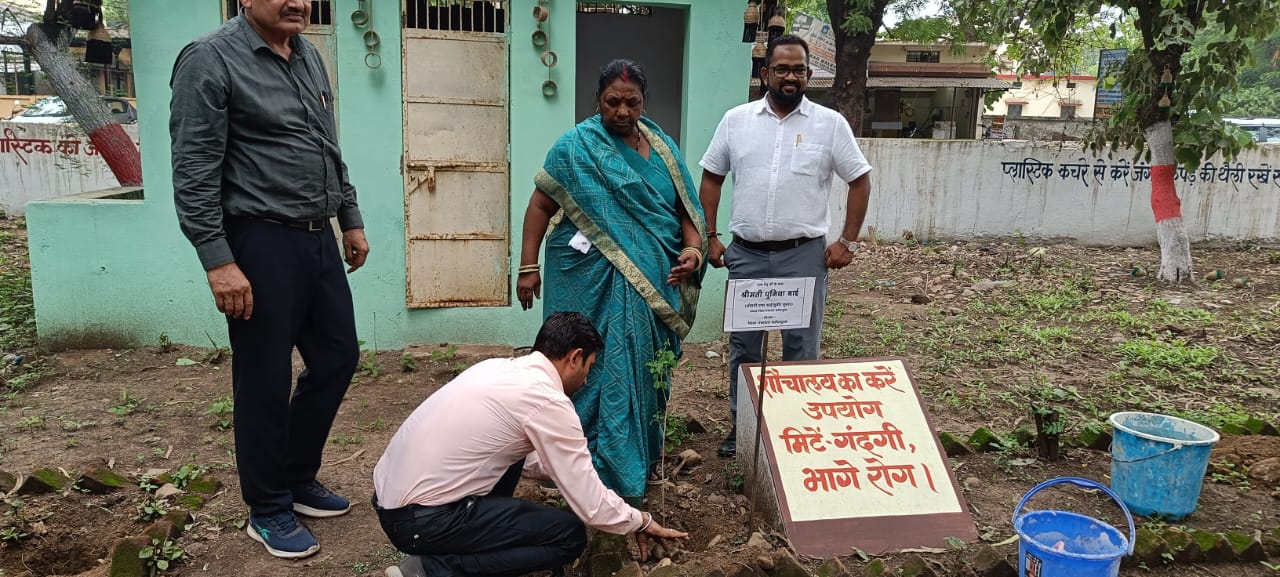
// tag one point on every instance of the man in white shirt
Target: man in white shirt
(444, 486)
(783, 151)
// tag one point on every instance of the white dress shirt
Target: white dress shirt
(782, 167)
(461, 440)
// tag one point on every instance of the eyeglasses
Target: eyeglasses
(784, 71)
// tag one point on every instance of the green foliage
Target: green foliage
(408, 363)
(126, 405)
(443, 355)
(161, 555)
(186, 474)
(151, 509)
(675, 430)
(13, 534)
(223, 410)
(1205, 46)
(15, 525)
(664, 361)
(1174, 354)
(733, 475)
(164, 343)
(368, 363)
(17, 308)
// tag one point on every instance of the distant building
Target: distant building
(913, 90)
(1044, 107)
(1047, 96)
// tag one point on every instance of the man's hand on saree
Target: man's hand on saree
(528, 287)
(715, 252)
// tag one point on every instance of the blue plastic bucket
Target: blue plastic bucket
(1158, 463)
(1063, 544)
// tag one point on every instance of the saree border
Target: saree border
(611, 251)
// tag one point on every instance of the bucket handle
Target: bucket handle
(1086, 484)
(1176, 446)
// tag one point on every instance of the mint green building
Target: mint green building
(446, 109)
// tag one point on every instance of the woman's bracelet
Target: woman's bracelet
(697, 253)
(646, 523)
(524, 268)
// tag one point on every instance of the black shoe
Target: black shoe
(729, 447)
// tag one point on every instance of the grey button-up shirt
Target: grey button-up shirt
(253, 136)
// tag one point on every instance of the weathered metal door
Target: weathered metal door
(456, 161)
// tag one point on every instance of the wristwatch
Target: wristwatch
(849, 245)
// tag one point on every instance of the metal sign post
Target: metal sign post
(762, 305)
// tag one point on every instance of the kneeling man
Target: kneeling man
(444, 486)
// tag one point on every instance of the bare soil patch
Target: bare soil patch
(1074, 326)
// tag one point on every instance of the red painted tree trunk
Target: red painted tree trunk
(1171, 232)
(82, 100)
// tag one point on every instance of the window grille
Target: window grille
(456, 15)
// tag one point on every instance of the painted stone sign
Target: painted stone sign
(851, 457)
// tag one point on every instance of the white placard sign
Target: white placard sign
(762, 304)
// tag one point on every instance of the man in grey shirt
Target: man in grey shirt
(257, 174)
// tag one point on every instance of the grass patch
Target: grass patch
(1169, 355)
(17, 309)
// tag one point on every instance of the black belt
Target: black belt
(773, 245)
(307, 225)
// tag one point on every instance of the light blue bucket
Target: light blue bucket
(1158, 463)
(1064, 544)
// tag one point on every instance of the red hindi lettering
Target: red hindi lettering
(878, 472)
(831, 479)
(882, 377)
(802, 442)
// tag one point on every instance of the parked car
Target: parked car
(1262, 129)
(53, 110)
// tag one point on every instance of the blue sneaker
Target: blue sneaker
(314, 500)
(282, 535)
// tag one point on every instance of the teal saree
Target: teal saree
(628, 207)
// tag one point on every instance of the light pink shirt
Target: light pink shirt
(461, 440)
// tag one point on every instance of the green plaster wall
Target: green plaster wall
(119, 273)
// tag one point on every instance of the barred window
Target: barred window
(626, 9)
(456, 15)
(321, 11)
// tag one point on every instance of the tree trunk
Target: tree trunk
(82, 100)
(853, 50)
(1171, 233)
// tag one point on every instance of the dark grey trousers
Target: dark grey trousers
(806, 260)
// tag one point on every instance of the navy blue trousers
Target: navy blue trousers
(300, 299)
(494, 535)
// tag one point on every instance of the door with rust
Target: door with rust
(456, 165)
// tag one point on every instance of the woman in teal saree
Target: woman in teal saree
(625, 249)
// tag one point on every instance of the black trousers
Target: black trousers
(493, 535)
(300, 299)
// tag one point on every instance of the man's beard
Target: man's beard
(786, 100)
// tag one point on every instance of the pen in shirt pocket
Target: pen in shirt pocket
(799, 137)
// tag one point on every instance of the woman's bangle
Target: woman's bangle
(524, 268)
(712, 234)
(697, 253)
(646, 523)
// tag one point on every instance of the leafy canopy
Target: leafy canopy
(1204, 43)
